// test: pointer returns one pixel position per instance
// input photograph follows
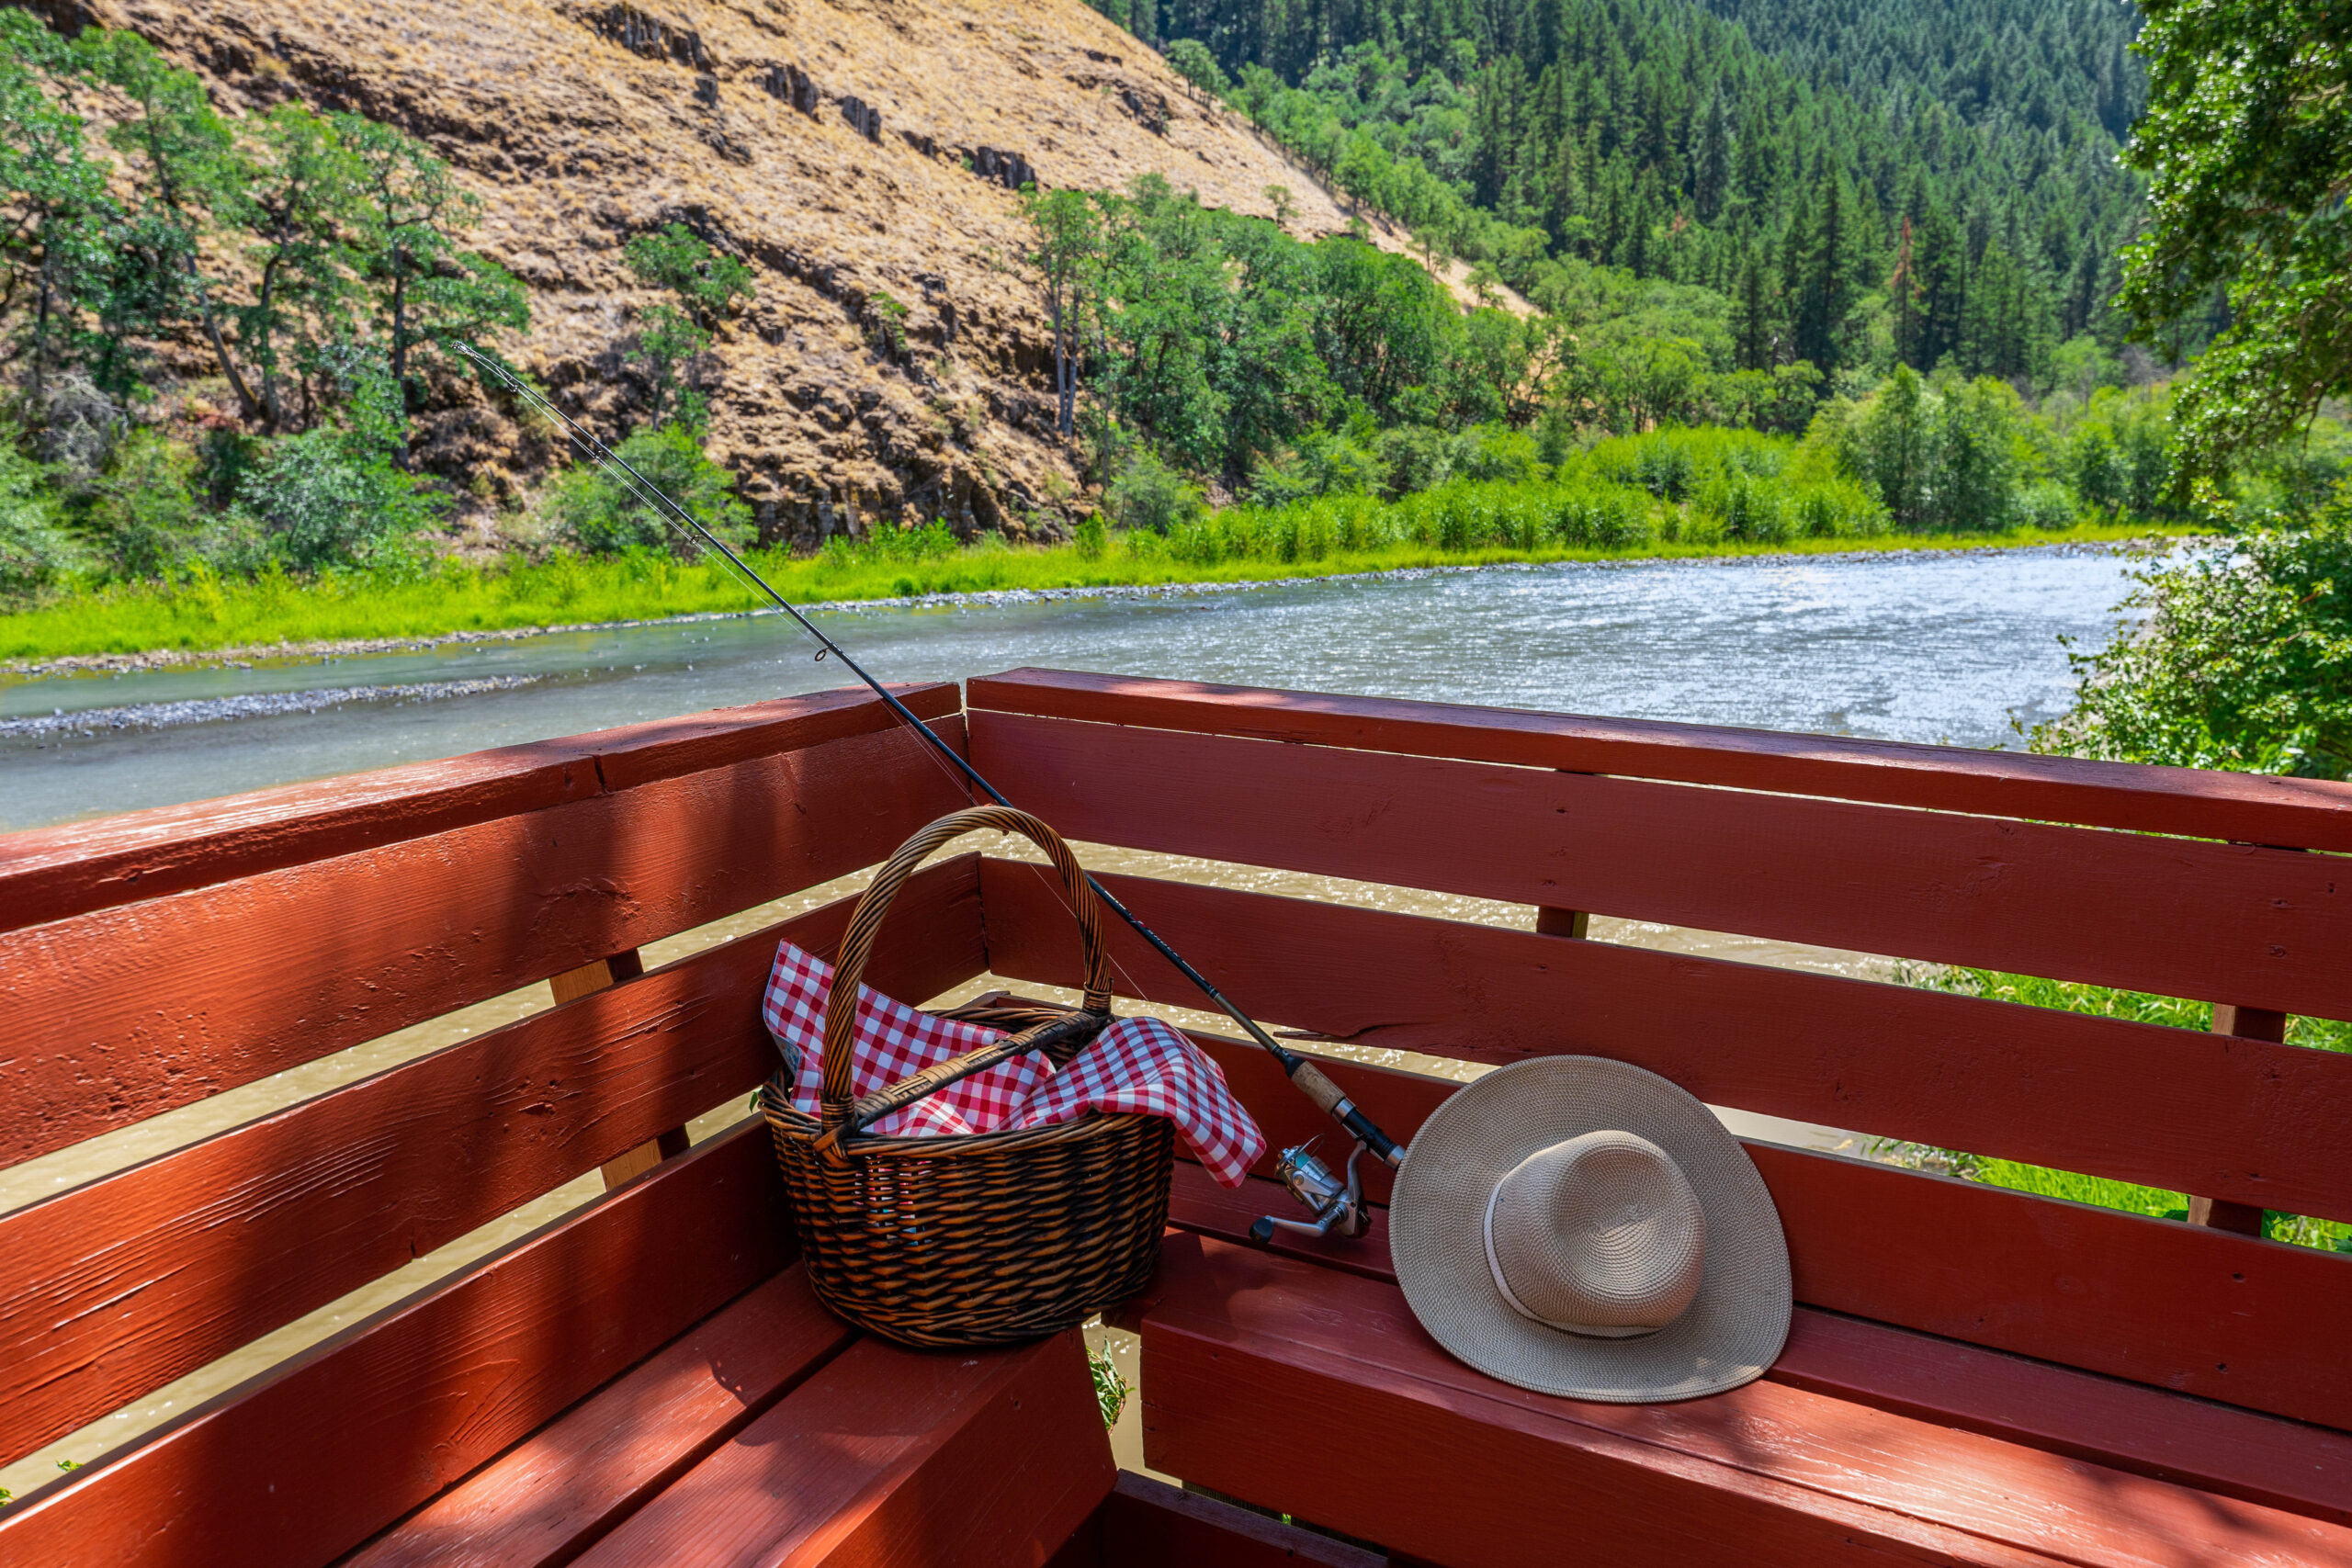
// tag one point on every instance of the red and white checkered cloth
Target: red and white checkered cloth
(1137, 1065)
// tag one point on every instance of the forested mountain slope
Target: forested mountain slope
(1955, 164)
(859, 156)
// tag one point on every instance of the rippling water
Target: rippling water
(1918, 647)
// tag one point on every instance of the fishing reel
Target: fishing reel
(1337, 1206)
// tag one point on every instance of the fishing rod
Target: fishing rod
(1338, 1205)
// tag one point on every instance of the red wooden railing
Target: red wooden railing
(1914, 852)
(149, 962)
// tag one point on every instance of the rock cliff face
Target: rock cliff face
(846, 149)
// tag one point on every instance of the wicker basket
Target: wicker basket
(987, 1239)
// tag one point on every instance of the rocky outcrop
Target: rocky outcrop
(848, 149)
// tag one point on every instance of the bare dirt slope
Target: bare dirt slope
(846, 149)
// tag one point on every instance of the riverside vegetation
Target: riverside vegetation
(223, 329)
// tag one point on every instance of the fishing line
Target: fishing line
(1302, 1072)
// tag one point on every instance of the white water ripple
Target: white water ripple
(257, 704)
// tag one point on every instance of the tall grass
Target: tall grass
(1670, 492)
(2139, 1006)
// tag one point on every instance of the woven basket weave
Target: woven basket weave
(991, 1238)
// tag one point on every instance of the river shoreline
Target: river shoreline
(252, 656)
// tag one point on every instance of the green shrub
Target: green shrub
(1152, 496)
(35, 553)
(2045, 505)
(600, 513)
(324, 500)
(143, 513)
(1089, 537)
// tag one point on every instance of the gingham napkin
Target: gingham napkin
(1137, 1065)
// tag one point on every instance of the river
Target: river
(1928, 646)
(1914, 646)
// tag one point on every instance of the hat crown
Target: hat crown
(1598, 1235)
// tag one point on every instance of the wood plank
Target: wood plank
(565, 1487)
(596, 976)
(114, 1016)
(300, 1464)
(1149, 1524)
(2309, 813)
(2224, 1214)
(2071, 903)
(1502, 1476)
(51, 873)
(2261, 1123)
(2203, 1312)
(890, 1456)
(121, 1285)
(2061, 1410)
(2225, 1317)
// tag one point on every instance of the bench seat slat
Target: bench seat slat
(2072, 903)
(1499, 1476)
(117, 1287)
(2125, 1426)
(2202, 1312)
(550, 1497)
(2307, 813)
(119, 1014)
(312, 1458)
(2243, 1120)
(888, 1456)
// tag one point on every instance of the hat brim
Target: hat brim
(1731, 1333)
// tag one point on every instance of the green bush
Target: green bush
(599, 511)
(35, 553)
(324, 500)
(2244, 661)
(1152, 496)
(143, 514)
(2045, 505)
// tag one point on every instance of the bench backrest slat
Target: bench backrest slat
(2244, 807)
(115, 1288)
(123, 1011)
(2243, 1120)
(2203, 1312)
(317, 1455)
(2071, 903)
(2175, 882)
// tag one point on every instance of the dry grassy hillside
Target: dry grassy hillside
(844, 148)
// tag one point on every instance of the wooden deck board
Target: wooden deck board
(892, 1457)
(548, 1500)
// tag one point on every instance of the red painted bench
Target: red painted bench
(647, 1378)
(1975, 1374)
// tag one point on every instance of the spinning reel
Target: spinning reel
(1337, 1206)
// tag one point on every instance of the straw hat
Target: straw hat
(1579, 1226)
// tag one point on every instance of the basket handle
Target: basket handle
(857, 944)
